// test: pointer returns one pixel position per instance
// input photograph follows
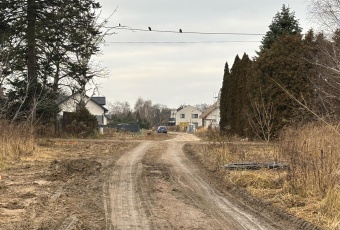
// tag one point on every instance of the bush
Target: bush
(80, 123)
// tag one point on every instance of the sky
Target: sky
(172, 68)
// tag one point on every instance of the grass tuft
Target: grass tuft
(16, 140)
(330, 208)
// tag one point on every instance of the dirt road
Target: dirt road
(122, 184)
(155, 186)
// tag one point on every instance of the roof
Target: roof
(187, 106)
(97, 100)
(209, 110)
(101, 105)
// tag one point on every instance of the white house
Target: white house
(211, 116)
(188, 115)
(95, 105)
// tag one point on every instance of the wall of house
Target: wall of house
(94, 108)
(187, 119)
(212, 118)
(102, 119)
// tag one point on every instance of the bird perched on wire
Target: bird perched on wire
(149, 28)
(180, 30)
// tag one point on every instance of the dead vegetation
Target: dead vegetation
(16, 140)
(309, 188)
(313, 153)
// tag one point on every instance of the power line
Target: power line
(180, 31)
(177, 42)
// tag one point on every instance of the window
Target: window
(194, 115)
(182, 115)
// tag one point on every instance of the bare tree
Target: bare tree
(326, 77)
(119, 108)
(202, 107)
(262, 118)
(161, 115)
(325, 13)
(326, 58)
(144, 109)
(154, 114)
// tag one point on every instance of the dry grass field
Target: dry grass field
(308, 188)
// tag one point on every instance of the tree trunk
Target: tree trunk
(31, 58)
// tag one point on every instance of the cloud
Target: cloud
(177, 73)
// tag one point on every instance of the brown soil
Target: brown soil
(60, 187)
(104, 184)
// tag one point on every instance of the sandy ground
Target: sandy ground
(103, 184)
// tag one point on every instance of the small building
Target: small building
(95, 105)
(188, 115)
(211, 116)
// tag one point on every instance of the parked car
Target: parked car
(162, 129)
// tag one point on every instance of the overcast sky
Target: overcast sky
(181, 68)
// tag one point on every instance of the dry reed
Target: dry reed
(313, 154)
(16, 140)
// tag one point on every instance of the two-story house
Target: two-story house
(188, 115)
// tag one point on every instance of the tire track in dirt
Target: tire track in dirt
(155, 186)
(150, 201)
(125, 209)
(223, 211)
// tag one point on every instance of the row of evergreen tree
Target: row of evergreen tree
(289, 82)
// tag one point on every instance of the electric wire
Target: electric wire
(177, 42)
(180, 31)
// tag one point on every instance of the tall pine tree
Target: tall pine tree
(242, 100)
(224, 100)
(284, 74)
(284, 22)
(235, 97)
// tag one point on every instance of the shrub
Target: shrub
(80, 123)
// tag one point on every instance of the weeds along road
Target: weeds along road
(155, 186)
